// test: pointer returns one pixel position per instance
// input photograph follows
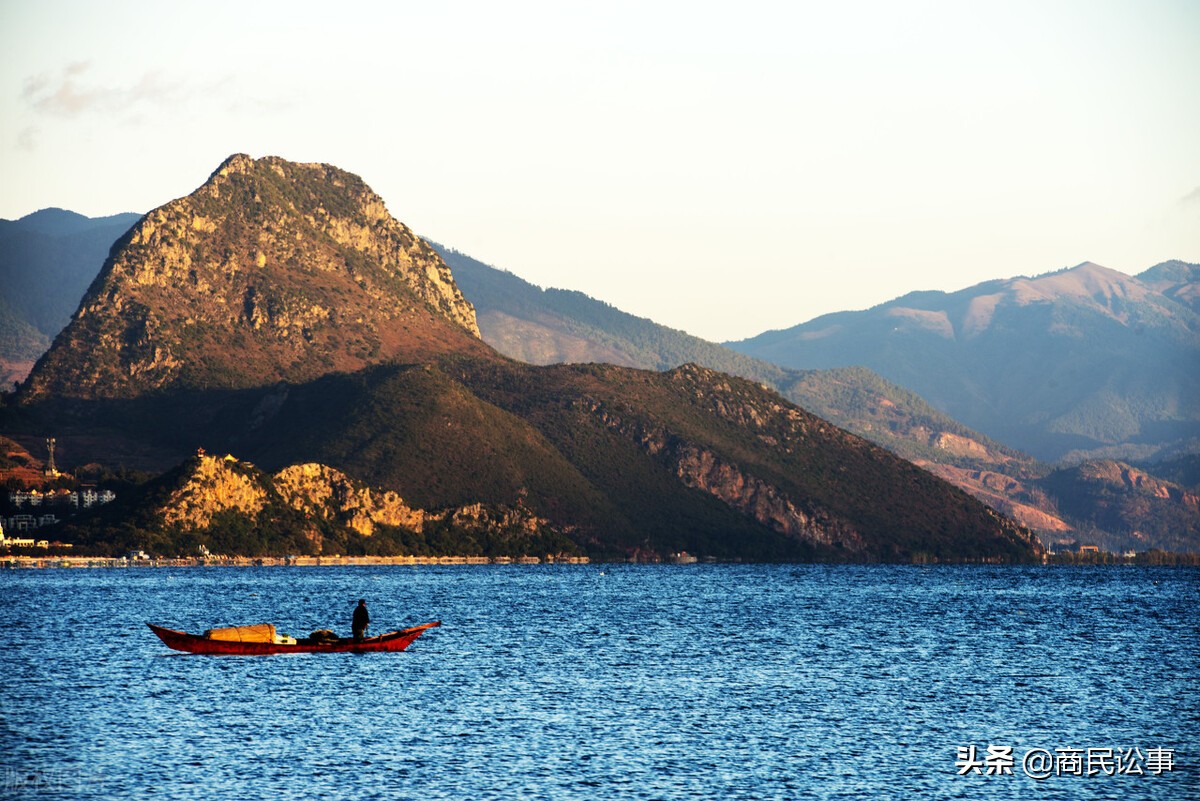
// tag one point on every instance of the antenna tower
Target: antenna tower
(51, 469)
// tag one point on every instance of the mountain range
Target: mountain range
(1073, 503)
(280, 313)
(550, 326)
(1081, 363)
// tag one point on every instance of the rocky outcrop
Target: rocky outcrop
(478, 517)
(354, 217)
(957, 445)
(213, 485)
(207, 487)
(1122, 476)
(329, 494)
(765, 503)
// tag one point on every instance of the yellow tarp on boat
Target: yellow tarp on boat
(262, 632)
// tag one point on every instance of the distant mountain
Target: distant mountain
(280, 313)
(47, 260)
(1121, 507)
(20, 345)
(1177, 280)
(555, 326)
(1077, 362)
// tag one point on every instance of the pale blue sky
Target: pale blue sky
(722, 169)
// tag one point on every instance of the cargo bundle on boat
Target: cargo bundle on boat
(262, 632)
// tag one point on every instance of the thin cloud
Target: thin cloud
(1191, 198)
(69, 94)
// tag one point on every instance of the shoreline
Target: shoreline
(77, 562)
(8, 562)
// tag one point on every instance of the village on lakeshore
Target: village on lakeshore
(35, 503)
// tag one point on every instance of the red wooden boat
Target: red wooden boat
(199, 644)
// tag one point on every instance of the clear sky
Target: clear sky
(721, 168)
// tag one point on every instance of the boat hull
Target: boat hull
(196, 644)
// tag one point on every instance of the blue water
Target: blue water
(601, 682)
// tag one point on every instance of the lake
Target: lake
(610, 682)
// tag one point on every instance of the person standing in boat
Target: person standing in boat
(361, 619)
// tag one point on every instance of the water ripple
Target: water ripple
(614, 682)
